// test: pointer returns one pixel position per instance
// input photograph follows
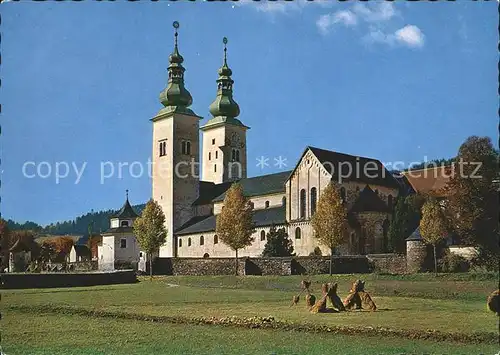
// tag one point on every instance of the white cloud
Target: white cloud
(377, 36)
(282, 6)
(410, 36)
(345, 17)
(375, 12)
(380, 17)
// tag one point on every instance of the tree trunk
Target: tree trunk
(435, 261)
(331, 261)
(151, 266)
(236, 264)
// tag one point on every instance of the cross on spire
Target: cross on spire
(176, 26)
(224, 40)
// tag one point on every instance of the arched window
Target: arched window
(215, 168)
(233, 155)
(342, 193)
(124, 223)
(267, 204)
(180, 243)
(188, 147)
(313, 200)
(216, 154)
(262, 235)
(389, 202)
(164, 147)
(283, 201)
(205, 256)
(183, 147)
(209, 156)
(202, 240)
(298, 233)
(216, 239)
(237, 155)
(302, 203)
(189, 242)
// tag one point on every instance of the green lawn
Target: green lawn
(45, 321)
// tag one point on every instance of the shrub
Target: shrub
(453, 263)
(316, 252)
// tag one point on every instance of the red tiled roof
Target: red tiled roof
(430, 180)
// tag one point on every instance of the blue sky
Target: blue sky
(396, 81)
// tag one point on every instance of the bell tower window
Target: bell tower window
(163, 148)
(186, 147)
(235, 155)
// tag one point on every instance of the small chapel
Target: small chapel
(286, 199)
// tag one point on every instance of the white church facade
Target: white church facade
(287, 199)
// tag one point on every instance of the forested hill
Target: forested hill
(78, 226)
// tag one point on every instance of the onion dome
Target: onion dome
(224, 104)
(176, 94)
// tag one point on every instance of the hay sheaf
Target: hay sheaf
(493, 302)
(268, 323)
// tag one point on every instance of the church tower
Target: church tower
(224, 136)
(175, 168)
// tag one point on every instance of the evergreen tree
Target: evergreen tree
(406, 219)
(399, 226)
(278, 243)
(234, 225)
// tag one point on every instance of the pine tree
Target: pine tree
(329, 221)
(278, 243)
(433, 225)
(150, 231)
(399, 226)
(234, 225)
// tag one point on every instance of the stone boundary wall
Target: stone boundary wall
(48, 280)
(197, 266)
(388, 263)
(307, 265)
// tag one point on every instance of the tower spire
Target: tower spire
(126, 192)
(176, 95)
(224, 40)
(224, 104)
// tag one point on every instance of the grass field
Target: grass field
(444, 315)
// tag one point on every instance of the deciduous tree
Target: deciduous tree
(433, 225)
(329, 221)
(62, 246)
(47, 251)
(150, 231)
(473, 197)
(278, 243)
(5, 242)
(94, 242)
(234, 225)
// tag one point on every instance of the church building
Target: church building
(285, 199)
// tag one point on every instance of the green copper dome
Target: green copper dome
(175, 93)
(224, 104)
